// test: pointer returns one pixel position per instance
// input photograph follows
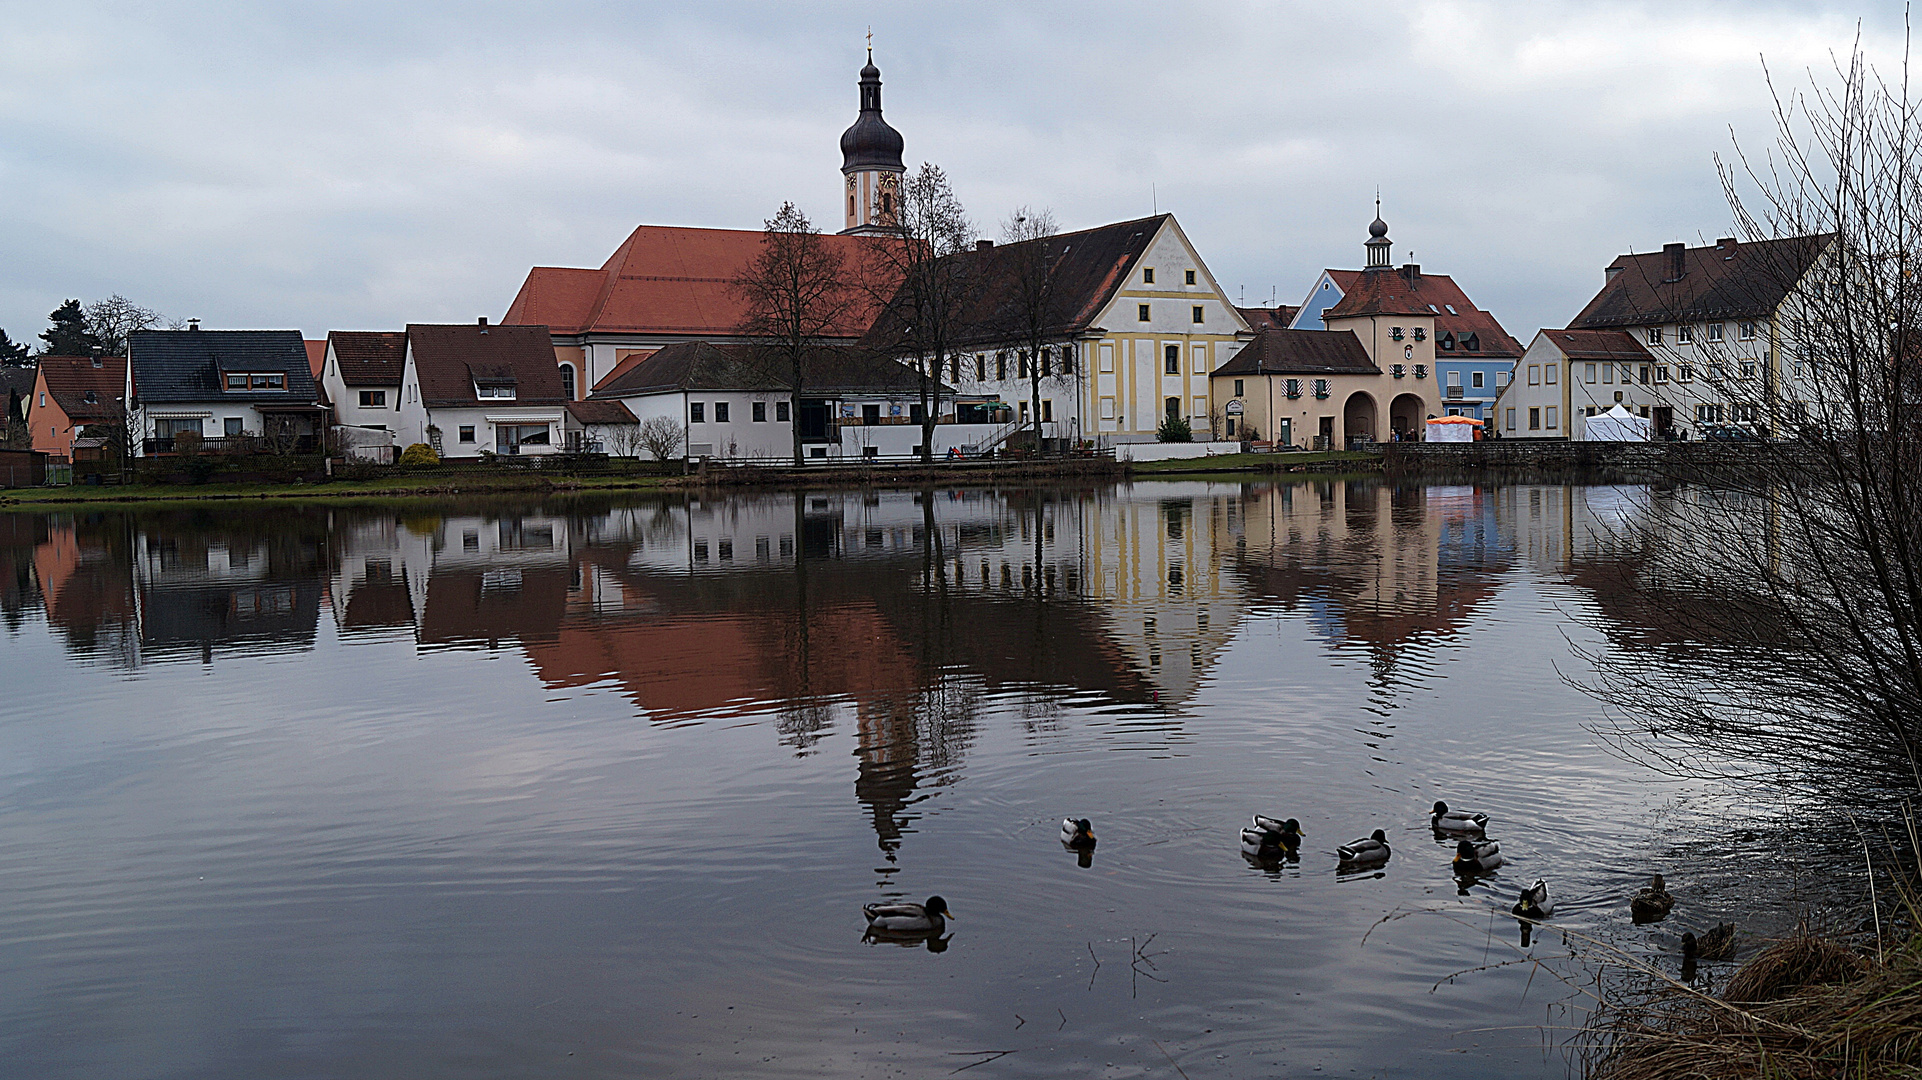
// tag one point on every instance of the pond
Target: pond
(600, 788)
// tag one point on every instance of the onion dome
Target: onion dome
(871, 143)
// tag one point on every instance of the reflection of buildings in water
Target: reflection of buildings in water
(201, 589)
(1370, 563)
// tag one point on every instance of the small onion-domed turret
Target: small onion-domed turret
(871, 143)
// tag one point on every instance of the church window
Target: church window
(567, 381)
(1191, 277)
(1171, 363)
(1143, 313)
(1148, 275)
(1197, 312)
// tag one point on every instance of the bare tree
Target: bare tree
(1031, 266)
(116, 318)
(796, 292)
(624, 440)
(661, 436)
(922, 317)
(1782, 579)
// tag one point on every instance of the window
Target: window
(1534, 419)
(1143, 316)
(567, 381)
(720, 412)
(759, 412)
(1748, 367)
(1654, 335)
(1000, 365)
(1473, 343)
(1171, 361)
(1238, 387)
(696, 412)
(495, 391)
(1321, 388)
(1475, 379)
(1589, 411)
(1421, 371)
(1511, 419)
(236, 382)
(980, 366)
(1708, 414)
(1197, 312)
(1501, 378)
(1024, 365)
(1715, 331)
(1608, 374)
(1534, 375)
(1685, 334)
(1147, 276)
(1742, 413)
(232, 427)
(271, 381)
(43, 399)
(1067, 359)
(954, 367)
(1745, 330)
(1446, 341)
(1588, 374)
(1550, 373)
(1396, 370)
(1191, 280)
(373, 399)
(1548, 421)
(1293, 388)
(780, 412)
(1644, 374)
(467, 433)
(1455, 379)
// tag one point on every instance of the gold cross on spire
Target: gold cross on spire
(870, 44)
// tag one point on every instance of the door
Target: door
(1326, 440)
(1664, 419)
(1285, 432)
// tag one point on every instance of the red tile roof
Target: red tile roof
(450, 359)
(71, 378)
(601, 412)
(669, 280)
(1598, 345)
(316, 356)
(1427, 294)
(1274, 318)
(369, 358)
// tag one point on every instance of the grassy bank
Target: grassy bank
(1338, 462)
(1807, 1006)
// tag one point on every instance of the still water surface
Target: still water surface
(598, 789)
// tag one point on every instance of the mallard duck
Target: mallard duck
(1077, 833)
(1446, 820)
(904, 918)
(1477, 857)
(1651, 904)
(1285, 835)
(1370, 850)
(1716, 944)
(1535, 903)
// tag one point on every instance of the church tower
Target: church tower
(871, 162)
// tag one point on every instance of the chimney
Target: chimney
(193, 324)
(1677, 260)
(1411, 273)
(483, 324)
(983, 245)
(1727, 247)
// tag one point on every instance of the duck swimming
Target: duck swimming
(1457, 821)
(1271, 837)
(1078, 834)
(905, 918)
(1370, 850)
(1651, 904)
(1477, 856)
(1716, 944)
(1534, 903)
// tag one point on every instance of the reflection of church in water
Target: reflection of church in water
(901, 620)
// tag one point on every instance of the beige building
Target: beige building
(1567, 376)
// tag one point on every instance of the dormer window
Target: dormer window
(494, 391)
(1446, 341)
(91, 398)
(1472, 343)
(99, 363)
(254, 380)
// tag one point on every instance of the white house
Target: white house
(218, 385)
(1566, 376)
(471, 388)
(360, 372)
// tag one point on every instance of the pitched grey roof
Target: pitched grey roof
(1728, 280)
(186, 365)
(1301, 352)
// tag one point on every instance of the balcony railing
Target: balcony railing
(1455, 392)
(301, 444)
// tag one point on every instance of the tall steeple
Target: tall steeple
(1379, 246)
(871, 160)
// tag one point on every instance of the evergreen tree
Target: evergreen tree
(13, 353)
(69, 335)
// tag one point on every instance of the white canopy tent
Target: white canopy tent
(1617, 425)
(1452, 428)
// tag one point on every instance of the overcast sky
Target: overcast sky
(365, 165)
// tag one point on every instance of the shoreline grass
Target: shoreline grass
(1317, 461)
